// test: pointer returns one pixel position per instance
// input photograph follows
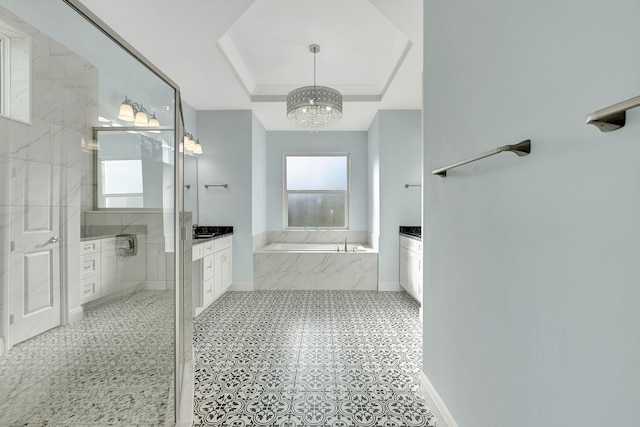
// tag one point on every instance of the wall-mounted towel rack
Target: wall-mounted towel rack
(412, 185)
(216, 185)
(521, 149)
(613, 117)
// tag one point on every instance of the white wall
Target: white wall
(531, 264)
(258, 177)
(399, 134)
(226, 138)
(354, 143)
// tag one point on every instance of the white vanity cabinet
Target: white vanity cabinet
(411, 267)
(212, 261)
(98, 268)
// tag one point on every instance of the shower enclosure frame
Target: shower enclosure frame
(183, 367)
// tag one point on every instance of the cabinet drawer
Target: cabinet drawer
(207, 267)
(208, 292)
(207, 248)
(197, 251)
(222, 243)
(89, 265)
(89, 247)
(90, 288)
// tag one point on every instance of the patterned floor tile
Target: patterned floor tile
(309, 358)
(113, 368)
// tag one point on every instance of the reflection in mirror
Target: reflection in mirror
(86, 296)
(129, 166)
(191, 186)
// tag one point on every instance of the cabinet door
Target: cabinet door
(218, 277)
(226, 269)
(109, 272)
(208, 292)
(413, 273)
(404, 268)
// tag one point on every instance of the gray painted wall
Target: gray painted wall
(226, 138)
(354, 143)
(531, 264)
(259, 176)
(399, 144)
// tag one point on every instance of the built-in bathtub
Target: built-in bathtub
(321, 266)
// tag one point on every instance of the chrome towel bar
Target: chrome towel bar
(614, 116)
(521, 149)
(216, 185)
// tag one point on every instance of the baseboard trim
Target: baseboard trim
(241, 287)
(76, 315)
(444, 417)
(389, 287)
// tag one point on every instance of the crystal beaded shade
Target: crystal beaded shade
(314, 107)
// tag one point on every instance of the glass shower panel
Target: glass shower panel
(87, 228)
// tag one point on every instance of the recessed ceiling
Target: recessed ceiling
(246, 54)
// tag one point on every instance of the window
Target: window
(15, 74)
(122, 184)
(316, 191)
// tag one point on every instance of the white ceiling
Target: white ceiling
(247, 54)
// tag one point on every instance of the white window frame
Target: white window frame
(286, 192)
(103, 195)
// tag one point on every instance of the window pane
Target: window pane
(122, 176)
(317, 210)
(316, 172)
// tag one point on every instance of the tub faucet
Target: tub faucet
(345, 244)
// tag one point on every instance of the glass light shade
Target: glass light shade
(197, 148)
(154, 122)
(126, 113)
(141, 119)
(314, 107)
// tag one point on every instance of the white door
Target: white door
(35, 255)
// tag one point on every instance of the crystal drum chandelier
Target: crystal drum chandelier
(314, 107)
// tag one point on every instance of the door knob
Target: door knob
(54, 239)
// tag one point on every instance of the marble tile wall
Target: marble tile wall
(42, 143)
(315, 271)
(153, 265)
(317, 236)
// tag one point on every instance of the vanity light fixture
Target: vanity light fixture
(191, 144)
(314, 107)
(133, 112)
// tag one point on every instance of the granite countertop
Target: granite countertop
(413, 231)
(203, 233)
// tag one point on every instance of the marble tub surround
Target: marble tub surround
(318, 236)
(411, 231)
(315, 271)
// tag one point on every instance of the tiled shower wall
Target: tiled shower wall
(63, 110)
(153, 265)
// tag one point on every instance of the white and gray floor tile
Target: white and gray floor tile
(113, 368)
(310, 358)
